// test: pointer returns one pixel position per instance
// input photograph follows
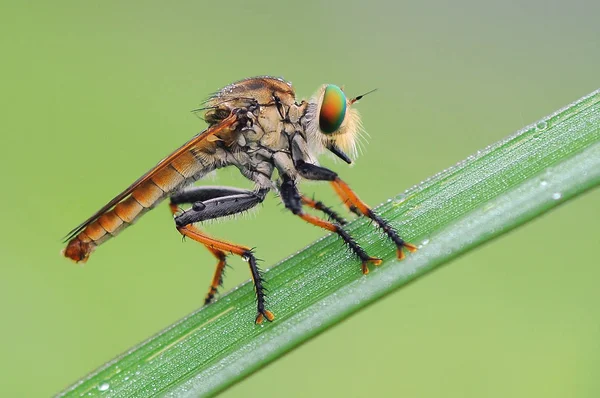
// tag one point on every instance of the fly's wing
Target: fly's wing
(204, 138)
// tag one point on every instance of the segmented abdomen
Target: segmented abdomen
(179, 172)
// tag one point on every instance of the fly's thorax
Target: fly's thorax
(267, 108)
(249, 94)
(271, 122)
(261, 89)
(272, 127)
(296, 112)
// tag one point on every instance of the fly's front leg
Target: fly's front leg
(293, 201)
(214, 202)
(346, 200)
(312, 172)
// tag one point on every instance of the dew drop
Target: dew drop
(541, 126)
(543, 183)
(556, 195)
(103, 386)
(424, 242)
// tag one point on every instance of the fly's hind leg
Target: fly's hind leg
(217, 280)
(214, 202)
(221, 257)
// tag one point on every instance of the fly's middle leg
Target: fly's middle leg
(353, 202)
(318, 205)
(293, 201)
(214, 202)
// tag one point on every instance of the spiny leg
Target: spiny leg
(215, 202)
(246, 254)
(318, 205)
(217, 280)
(313, 172)
(343, 189)
(221, 257)
(293, 201)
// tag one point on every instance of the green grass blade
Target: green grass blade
(499, 188)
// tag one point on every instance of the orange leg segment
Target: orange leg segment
(352, 200)
(218, 276)
(212, 243)
(344, 197)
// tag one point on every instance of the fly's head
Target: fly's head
(333, 123)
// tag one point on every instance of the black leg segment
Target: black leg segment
(215, 202)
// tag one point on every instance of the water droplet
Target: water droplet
(399, 199)
(424, 242)
(556, 195)
(544, 183)
(541, 126)
(103, 386)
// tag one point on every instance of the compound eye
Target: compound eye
(333, 109)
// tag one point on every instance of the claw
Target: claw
(373, 260)
(408, 246)
(400, 254)
(262, 315)
(365, 269)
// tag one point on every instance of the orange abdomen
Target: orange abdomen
(177, 174)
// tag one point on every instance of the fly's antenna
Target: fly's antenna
(353, 100)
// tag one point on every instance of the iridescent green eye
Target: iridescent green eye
(333, 109)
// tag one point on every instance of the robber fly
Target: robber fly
(257, 126)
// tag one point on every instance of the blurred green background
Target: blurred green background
(94, 94)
